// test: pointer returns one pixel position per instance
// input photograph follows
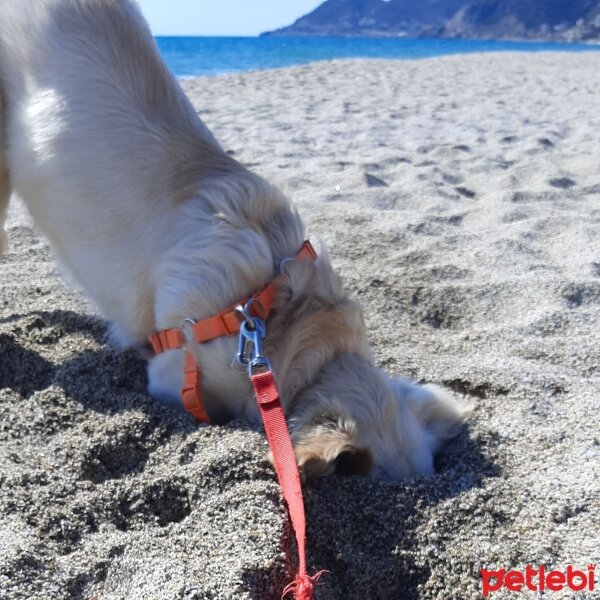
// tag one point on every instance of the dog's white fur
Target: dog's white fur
(158, 224)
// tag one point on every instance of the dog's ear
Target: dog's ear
(325, 449)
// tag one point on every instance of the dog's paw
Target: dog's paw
(436, 411)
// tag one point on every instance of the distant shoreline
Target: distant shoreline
(381, 35)
(191, 56)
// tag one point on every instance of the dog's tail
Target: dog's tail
(5, 187)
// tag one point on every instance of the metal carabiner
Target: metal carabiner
(252, 332)
(247, 341)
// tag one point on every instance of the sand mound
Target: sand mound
(460, 200)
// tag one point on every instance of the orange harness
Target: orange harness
(226, 323)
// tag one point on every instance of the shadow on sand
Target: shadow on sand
(350, 520)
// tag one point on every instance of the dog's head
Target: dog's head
(346, 415)
(355, 420)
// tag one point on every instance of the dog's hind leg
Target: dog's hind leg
(5, 187)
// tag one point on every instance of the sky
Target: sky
(222, 17)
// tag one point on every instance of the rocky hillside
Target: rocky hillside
(572, 20)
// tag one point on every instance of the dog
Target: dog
(145, 210)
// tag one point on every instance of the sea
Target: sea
(194, 56)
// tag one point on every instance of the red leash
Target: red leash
(286, 468)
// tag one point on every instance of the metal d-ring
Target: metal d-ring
(284, 262)
(244, 311)
(184, 322)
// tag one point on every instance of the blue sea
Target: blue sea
(191, 56)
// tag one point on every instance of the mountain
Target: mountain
(373, 17)
(525, 19)
(477, 19)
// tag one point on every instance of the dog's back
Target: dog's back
(98, 138)
(87, 73)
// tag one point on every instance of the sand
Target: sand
(460, 199)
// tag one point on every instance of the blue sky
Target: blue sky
(222, 17)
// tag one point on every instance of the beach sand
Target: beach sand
(460, 200)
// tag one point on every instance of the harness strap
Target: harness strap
(191, 391)
(169, 339)
(226, 323)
